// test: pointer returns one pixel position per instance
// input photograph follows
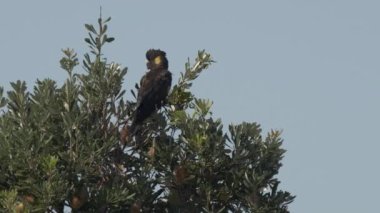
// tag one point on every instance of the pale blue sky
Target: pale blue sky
(310, 68)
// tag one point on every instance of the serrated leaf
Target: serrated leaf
(133, 93)
(109, 40)
(3, 102)
(92, 38)
(90, 28)
(107, 20)
(124, 71)
(87, 40)
(120, 94)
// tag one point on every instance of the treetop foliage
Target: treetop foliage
(61, 147)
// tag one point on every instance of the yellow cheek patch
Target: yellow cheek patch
(157, 60)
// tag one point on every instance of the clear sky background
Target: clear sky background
(310, 68)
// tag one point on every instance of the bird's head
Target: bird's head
(156, 59)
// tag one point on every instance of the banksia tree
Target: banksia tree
(66, 147)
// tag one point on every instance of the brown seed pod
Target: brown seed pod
(29, 198)
(79, 198)
(136, 207)
(180, 174)
(151, 151)
(20, 208)
(124, 135)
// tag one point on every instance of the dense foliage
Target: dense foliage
(65, 148)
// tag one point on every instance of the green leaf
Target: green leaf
(107, 20)
(87, 40)
(109, 40)
(90, 28)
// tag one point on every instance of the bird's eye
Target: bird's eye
(157, 60)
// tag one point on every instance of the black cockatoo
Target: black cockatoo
(154, 87)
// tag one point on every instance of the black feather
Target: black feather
(154, 88)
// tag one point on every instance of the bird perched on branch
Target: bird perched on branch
(154, 87)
